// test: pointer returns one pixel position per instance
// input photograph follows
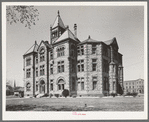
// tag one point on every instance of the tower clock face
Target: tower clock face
(28, 85)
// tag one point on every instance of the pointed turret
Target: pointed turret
(58, 22)
(57, 29)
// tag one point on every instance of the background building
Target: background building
(134, 86)
(88, 67)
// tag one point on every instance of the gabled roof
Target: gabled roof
(46, 43)
(112, 42)
(58, 22)
(108, 42)
(32, 49)
(90, 40)
(67, 35)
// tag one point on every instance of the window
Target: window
(80, 65)
(60, 66)
(36, 59)
(51, 85)
(113, 85)
(115, 55)
(36, 71)
(28, 86)
(42, 70)
(61, 84)
(60, 51)
(51, 68)
(105, 51)
(73, 84)
(72, 51)
(105, 66)
(51, 54)
(94, 82)
(42, 57)
(106, 83)
(93, 49)
(36, 87)
(80, 83)
(28, 73)
(94, 64)
(80, 50)
(28, 61)
(73, 66)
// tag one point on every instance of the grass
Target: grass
(76, 104)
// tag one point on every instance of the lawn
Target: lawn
(76, 104)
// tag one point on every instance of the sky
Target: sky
(102, 23)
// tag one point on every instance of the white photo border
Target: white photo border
(115, 115)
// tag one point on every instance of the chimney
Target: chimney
(75, 30)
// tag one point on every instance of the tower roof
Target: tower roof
(58, 22)
(108, 42)
(67, 35)
(112, 42)
(90, 40)
(33, 48)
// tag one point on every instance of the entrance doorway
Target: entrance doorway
(42, 87)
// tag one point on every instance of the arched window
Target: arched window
(72, 52)
(28, 86)
(42, 55)
(61, 85)
(60, 51)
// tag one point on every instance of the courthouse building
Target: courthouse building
(89, 67)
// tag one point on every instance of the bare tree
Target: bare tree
(24, 14)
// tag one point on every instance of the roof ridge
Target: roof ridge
(29, 48)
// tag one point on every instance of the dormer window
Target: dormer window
(42, 55)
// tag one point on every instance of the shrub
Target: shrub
(50, 95)
(45, 95)
(65, 92)
(113, 94)
(74, 96)
(56, 95)
(128, 94)
(134, 94)
(35, 95)
(21, 94)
